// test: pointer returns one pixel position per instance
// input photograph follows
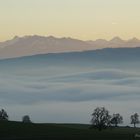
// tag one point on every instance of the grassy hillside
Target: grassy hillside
(20, 131)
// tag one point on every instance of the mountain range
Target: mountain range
(32, 45)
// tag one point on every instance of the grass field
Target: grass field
(20, 131)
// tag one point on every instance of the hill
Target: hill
(81, 58)
(20, 131)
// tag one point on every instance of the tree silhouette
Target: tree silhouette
(100, 118)
(3, 115)
(135, 119)
(26, 119)
(116, 119)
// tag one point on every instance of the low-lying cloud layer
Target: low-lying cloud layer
(103, 86)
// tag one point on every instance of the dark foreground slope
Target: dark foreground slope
(20, 131)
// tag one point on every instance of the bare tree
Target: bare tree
(135, 119)
(116, 119)
(100, 118)
(26, 119)
(3, 115)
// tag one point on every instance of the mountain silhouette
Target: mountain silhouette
(32, 45)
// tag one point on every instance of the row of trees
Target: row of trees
(4, 117)
(101, 119)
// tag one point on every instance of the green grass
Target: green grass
(21, 131)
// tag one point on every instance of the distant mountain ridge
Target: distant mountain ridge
(116, 42)
(32, 45)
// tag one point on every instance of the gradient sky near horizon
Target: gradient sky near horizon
(83, 19)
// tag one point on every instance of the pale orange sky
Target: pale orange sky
(83, 19)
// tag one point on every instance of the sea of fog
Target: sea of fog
(69, 94)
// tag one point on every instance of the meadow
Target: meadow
(21, 131)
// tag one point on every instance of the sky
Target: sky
(82, 19)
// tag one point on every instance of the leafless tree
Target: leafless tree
(135, 119)
(100, 118)
(116, 119)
